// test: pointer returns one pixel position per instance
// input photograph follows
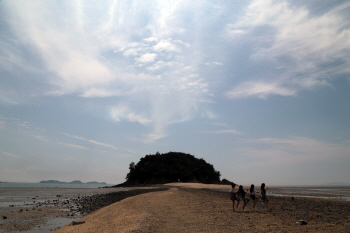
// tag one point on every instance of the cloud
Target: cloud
(122, 111)
(166, 45)
(100, 92)
(225, 131)
(131, 52)
(294, 150)
(151, 39)
(161, 65)
(311, 49)
(102, 144)
(40, 137)
(71, 145)
(11, 155)
(146, 58)
(259, 89)
(214, 63)
(117, 51)
(90, 141)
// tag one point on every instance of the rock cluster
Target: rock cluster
(88, 204)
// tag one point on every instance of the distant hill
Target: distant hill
(72, 182)
(171, 167)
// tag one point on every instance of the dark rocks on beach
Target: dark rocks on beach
(89, 204)
(4, 217)
(302, 222)
(76, 223)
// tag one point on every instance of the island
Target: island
(72, 182)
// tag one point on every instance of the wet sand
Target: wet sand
(34, 209)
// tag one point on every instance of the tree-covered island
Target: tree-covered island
(171, 167)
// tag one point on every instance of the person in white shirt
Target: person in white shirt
(233, 196)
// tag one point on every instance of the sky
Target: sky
(258, 89)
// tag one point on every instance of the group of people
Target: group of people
(237, 195)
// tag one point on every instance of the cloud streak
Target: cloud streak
(91, 141)
(11, 155)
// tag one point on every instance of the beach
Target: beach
(182, 207)
(186, 209)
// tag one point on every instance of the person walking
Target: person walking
(242, 194)
(233, 196)
(253, 195)
(264, 198)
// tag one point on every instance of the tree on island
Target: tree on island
(171, 167)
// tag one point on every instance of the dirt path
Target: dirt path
(192, 210)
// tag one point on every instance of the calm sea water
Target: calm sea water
(326, 192)
(21, 193)
(28, 194)
(47, 185)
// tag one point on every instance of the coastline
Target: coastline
(182, 209)
(34, 209)
(212, 200)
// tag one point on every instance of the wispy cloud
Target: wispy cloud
(308, 47)
(294, 150)
(11, 155)
(225, 131)
(91, 141)
(72, 145)
(111, 56)
(259, 89)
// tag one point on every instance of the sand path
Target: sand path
(173, 210)
(190, 210)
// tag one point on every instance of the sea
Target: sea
(24, 194)
(341, 193)
(50, 185)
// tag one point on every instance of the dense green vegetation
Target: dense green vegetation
(171, 167)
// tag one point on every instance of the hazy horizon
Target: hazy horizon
(259, 89)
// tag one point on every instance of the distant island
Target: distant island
(72, 182)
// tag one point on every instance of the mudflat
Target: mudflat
(186, 208)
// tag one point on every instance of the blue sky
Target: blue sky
(259, 89)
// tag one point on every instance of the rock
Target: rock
(4, 217)
(76, 223)
(302, 222)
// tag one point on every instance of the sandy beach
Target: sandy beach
(207, 208)
(190, 208)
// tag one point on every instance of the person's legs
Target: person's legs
(233, 205)
(263, 198)
(244, 204)
(238, 200)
